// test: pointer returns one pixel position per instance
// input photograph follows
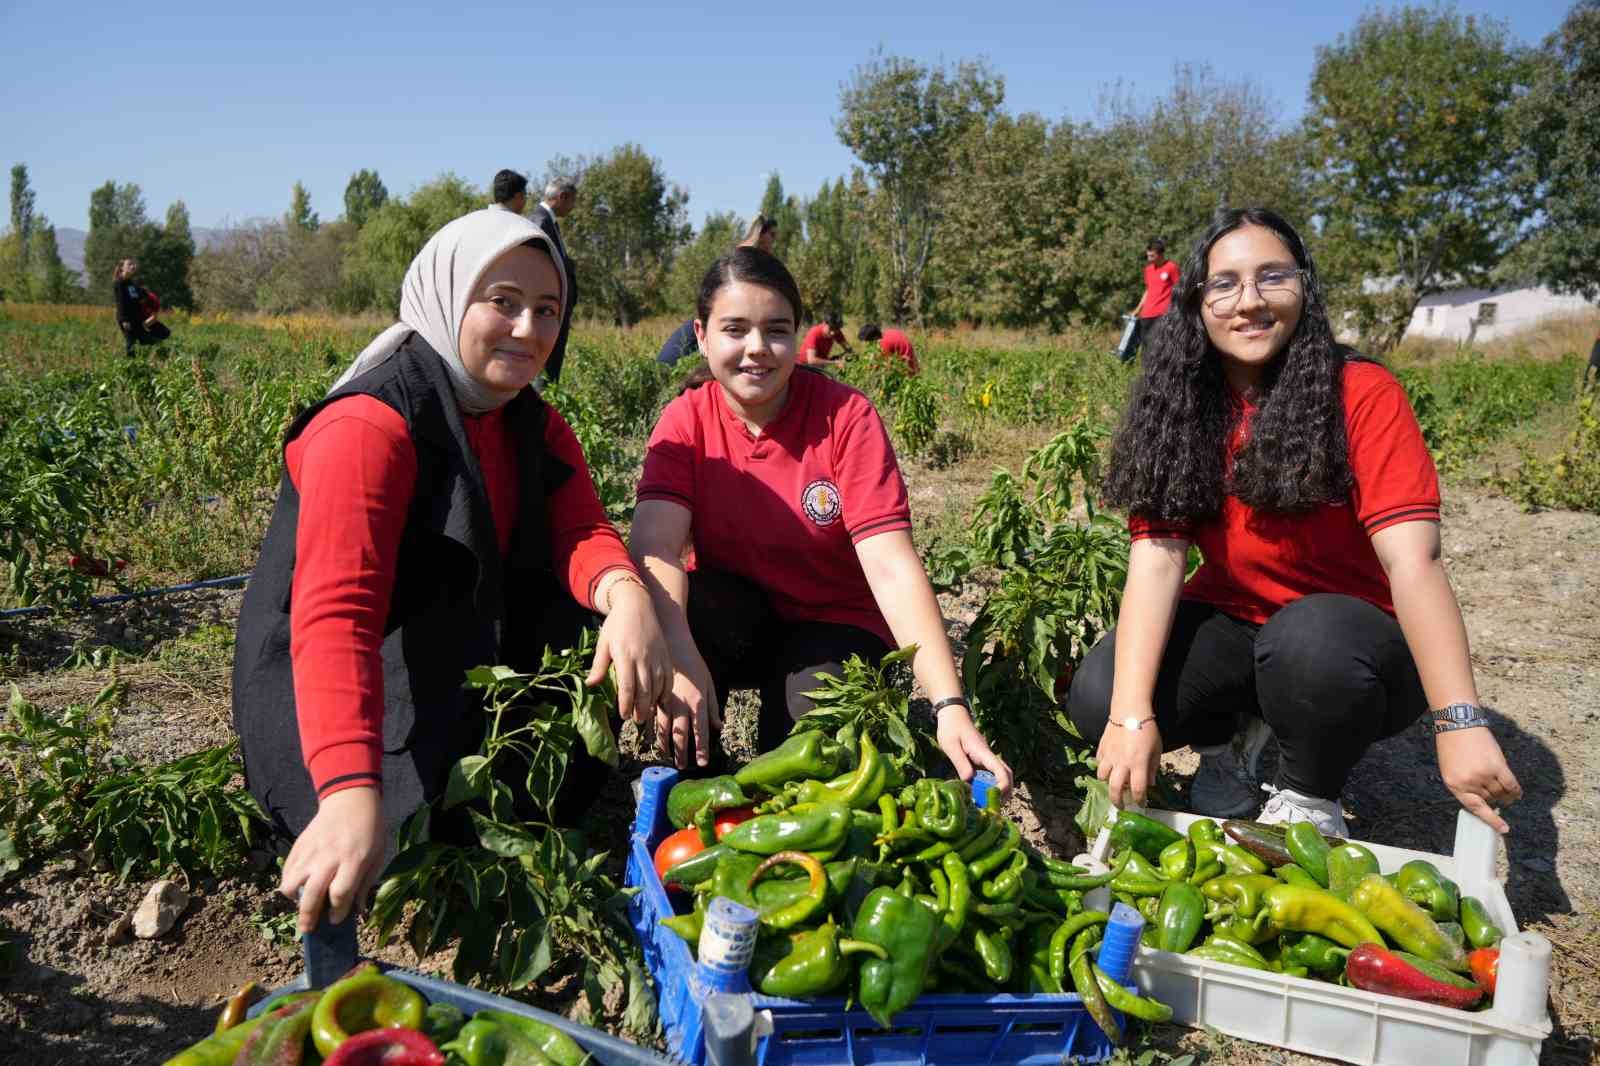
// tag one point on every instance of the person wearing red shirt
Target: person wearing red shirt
(784, 486)
(891, 342)
(1161, 277)
(819, 341)
(424, 505)
(1322, 613)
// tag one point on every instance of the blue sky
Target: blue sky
(225, 105)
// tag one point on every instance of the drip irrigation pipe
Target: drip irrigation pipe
(143, 594)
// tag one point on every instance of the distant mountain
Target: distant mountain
(70, 241)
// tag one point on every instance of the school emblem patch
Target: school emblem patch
(821, 503)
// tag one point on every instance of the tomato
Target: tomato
(683, 844)
(731, 817)
(1485, 964)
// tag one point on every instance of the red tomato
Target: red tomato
(731, 817)
(681, 845)
(1485, 964)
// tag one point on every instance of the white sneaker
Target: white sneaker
(1227, 784)
(1286, 805)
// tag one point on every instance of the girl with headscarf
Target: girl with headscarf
(435, 514)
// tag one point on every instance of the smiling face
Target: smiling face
(513, 320)
(1258, 327)
(749, 343)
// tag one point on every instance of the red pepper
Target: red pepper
(386, 1047)
(1374, 969)
(1485, 966)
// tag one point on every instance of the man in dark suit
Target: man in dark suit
(560, 196)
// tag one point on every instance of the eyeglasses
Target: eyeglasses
(1221, 295)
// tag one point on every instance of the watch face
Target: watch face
(1130, 723)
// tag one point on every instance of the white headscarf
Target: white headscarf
(438, 287)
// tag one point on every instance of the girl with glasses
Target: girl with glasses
(1321, 613)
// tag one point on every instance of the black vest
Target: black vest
(456, 603)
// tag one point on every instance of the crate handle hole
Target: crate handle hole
(810, 1036)
(878, 1034)
(975, 1030)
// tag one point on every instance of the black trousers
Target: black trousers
(1143, 330)
(141, 334)
(1330, 674)
(746, 645)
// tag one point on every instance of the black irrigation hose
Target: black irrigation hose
(143, 594)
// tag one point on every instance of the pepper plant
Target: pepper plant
(869, 701)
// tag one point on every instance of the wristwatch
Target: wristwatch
(1460, 716)
(1131, 723)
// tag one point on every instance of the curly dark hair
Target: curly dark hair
(1168, 459)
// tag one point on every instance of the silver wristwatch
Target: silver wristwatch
(1460, 716)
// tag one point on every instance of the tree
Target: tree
(786, 211)
(22, 201)
(118, 228)
(1559, 119)
(826, 263)
(717, 237)
(165, 256)
(902, 120)
(1407, 139)
(231, 272)
(300, 217)
(362, 196)
(622, 234)
(377, 259)
(52, 282)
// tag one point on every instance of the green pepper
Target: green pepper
(1259, 930)
(942, 807)
(955, 915)
(1130, 1003)
(814, 899)
(995, 954)
(866, 785)
(687, 797)
(1421, 882)
(1236, 860)
(1145, 835)
(1315, 953)
(442, 1021)
(1313, 910)
(1347, 865)
(1290, 874)
(1081, 966)
(233, 1011)
(1481, 930)
(1177, 860)
(1309, 850)
(697, 868)
(1061, 940)
(823, 828)
(783, 890)
(1180, 916)
(364, 1000)
(732, 878)
(815, 964)
(802, 756)
(907, 932)
(556, 1046)
(1139, 877)
(281, 1039)
(1035, 976)
(687, 926)
(1007, 884)
(1218, 953)
(1242, 893)
(220, 1049)
(486, 1042)
(988, 863)
(1405, 923)
(1233, 943)
(1265, 842)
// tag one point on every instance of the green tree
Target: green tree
(902, 120)
(622, 234)
(377, 258)
(165, 256)
(363, 195)
(22, 201)
(1413, 165)
(717, 237)
(118, 227)
(1559, 120)
(786, 211)
(300, 217)
(53, 282)
(827, 262)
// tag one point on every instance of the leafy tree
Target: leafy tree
(1408, 142)
(902, 120)
(300, 217)
(118, 228)
(229, 274)
(165, 256)
(362, 196)
(826, 264)
(624, 230)
(22, 201)
(786, 211)
(1559, 119)
(52, 281)
(716, 238)
(377, 258)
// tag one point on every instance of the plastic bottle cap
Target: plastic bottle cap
(982, 784)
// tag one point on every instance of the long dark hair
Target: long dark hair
(1168, 460)
(750, 265)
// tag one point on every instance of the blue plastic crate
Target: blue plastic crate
(331, 951)
(937, 1030)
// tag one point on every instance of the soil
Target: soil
(1529, 586)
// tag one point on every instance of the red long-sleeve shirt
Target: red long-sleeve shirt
(355, 469)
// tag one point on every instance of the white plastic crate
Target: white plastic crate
(1321, 1018)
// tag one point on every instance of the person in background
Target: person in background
(821, 338)
(680, 344)
(560, 197)
(137, 308)
(890, 342)
(1161, 277)
(783, 483)
(510, 192)
(434, 515)
(1594, 363)
(1322, 612)
(761, 233)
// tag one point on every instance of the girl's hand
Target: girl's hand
(631, 641)
(1474, 769)
(961, 742)
(689, 720)
(337, 858)
(1128, 760)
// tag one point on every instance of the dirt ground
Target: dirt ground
(1529, 586)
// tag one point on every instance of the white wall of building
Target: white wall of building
(1481, 314)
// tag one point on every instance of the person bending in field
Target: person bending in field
(434, 515)
(137, 308)
(1322, 613)
(820, 339)
(783, 483)
(891, 342)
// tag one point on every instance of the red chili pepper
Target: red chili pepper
(386, 1047)
(1485, 966)
(1374, 969)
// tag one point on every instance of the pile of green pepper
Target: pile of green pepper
(867, 884)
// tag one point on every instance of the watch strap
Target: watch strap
(1459, 712)
(1482, 721)
(951, 701)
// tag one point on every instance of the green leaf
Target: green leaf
(594, 726)
(532, 955)
(10, 861)
(466, 780)
(640, 1015)
(504, 840)
(1095, 812)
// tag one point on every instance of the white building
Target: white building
(1481, 314)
